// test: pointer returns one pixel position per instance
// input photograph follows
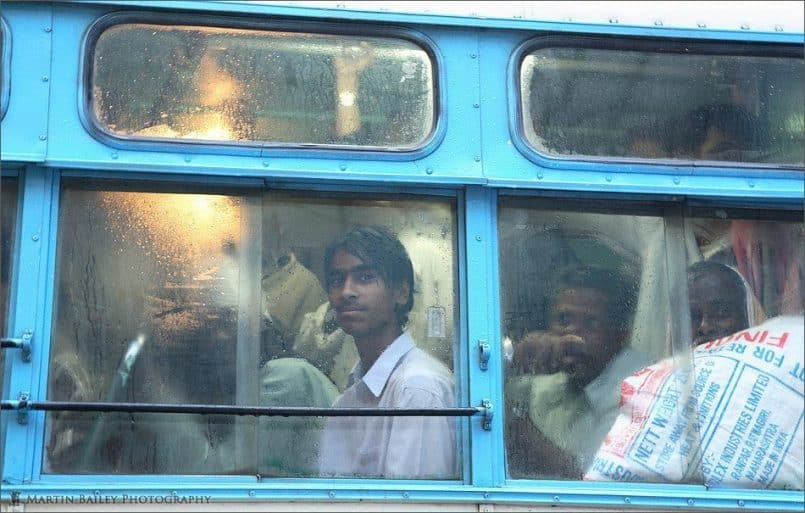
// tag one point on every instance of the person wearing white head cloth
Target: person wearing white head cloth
(721, 302)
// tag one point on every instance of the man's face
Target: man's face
(585, 313)
(716, 310)
(363, 301)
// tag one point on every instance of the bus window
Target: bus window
(596, 98)
(575, 290)
(198, 297)
(277, 87)
(597, 389)
(8, 216)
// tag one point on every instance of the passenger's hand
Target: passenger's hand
(546, 352)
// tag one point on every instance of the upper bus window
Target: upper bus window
(286, 88)
(233, 297)
(700, 102)
(616, 374)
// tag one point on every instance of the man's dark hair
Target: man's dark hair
(382, 251)
(619, 286)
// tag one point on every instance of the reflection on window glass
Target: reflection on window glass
(219, 84)
(647, 104)
(576, 292)
(724, 409)
(191, 297)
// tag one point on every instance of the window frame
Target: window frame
(670, 46)
(258, 147)
(5, 95)
(246, 187)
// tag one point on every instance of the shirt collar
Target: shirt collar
(378, 374)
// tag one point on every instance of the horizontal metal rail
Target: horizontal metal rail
(255, 411)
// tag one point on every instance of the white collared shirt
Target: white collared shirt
(394, 447)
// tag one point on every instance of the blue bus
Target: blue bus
(603, 217)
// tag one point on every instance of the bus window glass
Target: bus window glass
(194, 297)
(8, 216)
(722, 406)
(697, 103)
(581, 294)
(283, 88)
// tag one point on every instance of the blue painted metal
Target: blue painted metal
(474, 159)
(483, 314)
(487, 22)
(544, 493)
(31, 308)
(25, 123)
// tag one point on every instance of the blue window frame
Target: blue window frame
(247, 84)
(681, 102)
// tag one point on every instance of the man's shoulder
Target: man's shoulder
(420, 370)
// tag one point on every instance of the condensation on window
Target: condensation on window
(647, 104)
(284, 88)
(209, 297)
(643, 348)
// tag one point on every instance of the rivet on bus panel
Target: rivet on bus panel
(251, 493)
(265, 163)
(658, 23)
(701, 25)
(406, 495)
(45, 78)
(48, 29)
(331, 495)
(608, 178)
(744, 26)
(43, 137)
(477, 158)
(473, 55)
(778, 28)
(676, 180)
(476, 105)
(751, 183)
(741, 503)
(690, 502)
(114, 155)
(35, 238)
(556, 498)
(627, 500)
(613, 20)
(539, 176)
(187, 158)
(342, 167)
(429, 170)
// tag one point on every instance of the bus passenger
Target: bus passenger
(370, 283)
(566, 395)
(721, 132)
(720, 302)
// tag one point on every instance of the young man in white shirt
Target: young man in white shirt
(370, 284)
